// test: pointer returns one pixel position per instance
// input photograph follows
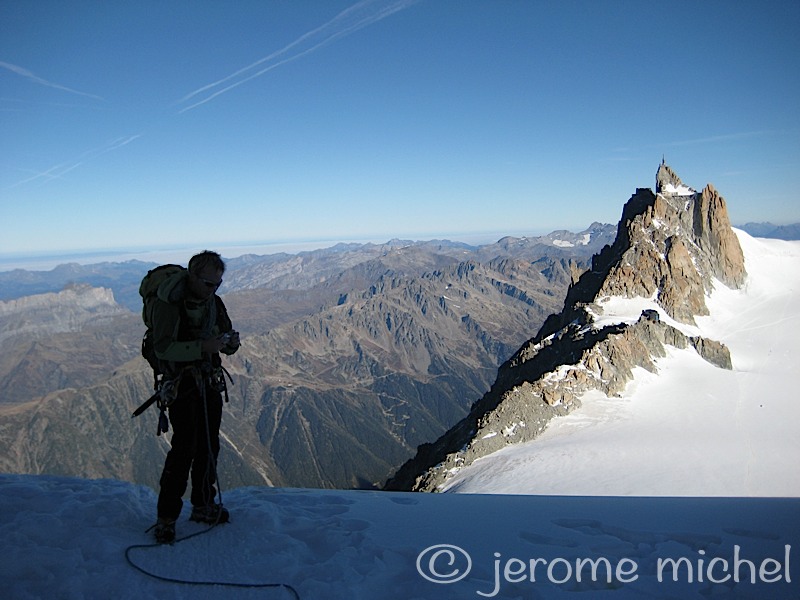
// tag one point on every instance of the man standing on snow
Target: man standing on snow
(190, 328)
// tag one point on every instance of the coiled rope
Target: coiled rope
(235, 584)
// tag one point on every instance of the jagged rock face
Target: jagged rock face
(712, 229)
(45, 314)
(523, 400)
(668, 182)
(670, 247)
(681, 291)
(713, 351)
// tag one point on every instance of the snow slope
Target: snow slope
(691, 429)
(67, 539)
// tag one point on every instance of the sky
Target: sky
(154, 125)
(695, 466)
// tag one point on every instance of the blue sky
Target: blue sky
(151, 124)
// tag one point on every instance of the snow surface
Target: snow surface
(68, 539)
(587, 237)
(693, 429)
(678, 190)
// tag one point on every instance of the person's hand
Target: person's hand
(213, 345)
(233, 339)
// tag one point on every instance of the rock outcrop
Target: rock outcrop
(672, 247)
(43, 315)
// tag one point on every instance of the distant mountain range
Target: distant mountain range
(283, 271)
(123, 277)
(768, 230)
(352, 356)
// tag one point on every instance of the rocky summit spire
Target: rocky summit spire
(672, 248)
(667, 181)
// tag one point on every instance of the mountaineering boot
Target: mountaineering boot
(165, 530)
(213, 513)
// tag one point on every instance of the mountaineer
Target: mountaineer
(188, 326)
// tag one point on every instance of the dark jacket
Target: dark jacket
(180, 325)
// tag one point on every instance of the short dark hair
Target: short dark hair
(206, 258)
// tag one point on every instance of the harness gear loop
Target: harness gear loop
(219, 382)
(167, 391)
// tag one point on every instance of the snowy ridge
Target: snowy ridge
(728, 425)
(671, 250)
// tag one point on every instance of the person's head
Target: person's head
(205, 274)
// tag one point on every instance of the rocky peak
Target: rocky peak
(671, 248)
(73, 296)
(42, 315)
(668, 182)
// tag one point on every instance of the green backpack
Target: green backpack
(165, 391)
(148, 290)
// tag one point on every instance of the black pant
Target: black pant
(195, 448)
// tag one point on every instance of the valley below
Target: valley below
(352, 356)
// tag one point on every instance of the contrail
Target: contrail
(62, 169)
(719, 138)
(348, 21)
(36, 79)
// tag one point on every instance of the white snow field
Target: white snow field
(691, 431)
(65, 538)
